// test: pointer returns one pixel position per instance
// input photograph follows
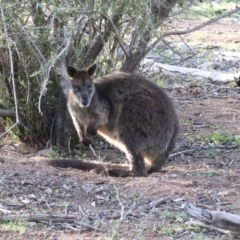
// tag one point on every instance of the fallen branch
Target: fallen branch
(216, 219)
(214, 76)
(7, 113)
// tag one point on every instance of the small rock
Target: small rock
(25, 201)
(179, 230)
(206, 66)
(31, 224)
(32, 196)
(65, 187)
(48, 191)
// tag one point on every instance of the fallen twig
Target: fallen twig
(4, 211)
(9, 144)
(156, 203)
(202, 148)
(40, 217)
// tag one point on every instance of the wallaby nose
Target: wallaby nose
(84, 101)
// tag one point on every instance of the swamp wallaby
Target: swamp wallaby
(130, 112)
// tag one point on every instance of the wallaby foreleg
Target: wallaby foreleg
(81, 132)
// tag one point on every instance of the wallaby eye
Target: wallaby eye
(89, 89)
(76, 89)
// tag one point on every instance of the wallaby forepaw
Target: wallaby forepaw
(91, 130)
(86, 142)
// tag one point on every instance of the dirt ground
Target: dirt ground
(72, 204)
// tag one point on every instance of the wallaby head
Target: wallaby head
(82, 84)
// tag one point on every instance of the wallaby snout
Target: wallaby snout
(85, 101)
(83, 94)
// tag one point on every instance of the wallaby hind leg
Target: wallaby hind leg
(158, 162)
(137, 164)
(171, 145)
(163, 157)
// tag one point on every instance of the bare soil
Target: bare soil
(72, 204)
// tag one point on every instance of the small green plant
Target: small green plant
(186, 122)
(231, 207)
(200, 140)
(231, 47)
(114, 233)
(193, 174)
(209, 152)
(200, 236)
(217, 138)
(159, 82)
(167, 230)
(57, 193)
(193, 228)
(62, 205)
(15, 226)
(221, 138)
(14, 133)
(211, 174)
(79, 153)
(172, 229)
(237, 139)
(113, 194)
(173, 216)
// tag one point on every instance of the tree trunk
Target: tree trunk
(132, 62)
(160, 10)
(100, 41)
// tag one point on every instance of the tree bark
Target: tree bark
(160, 10)
(100, 41)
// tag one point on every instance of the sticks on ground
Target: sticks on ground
(45, 218)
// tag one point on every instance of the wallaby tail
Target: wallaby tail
(110, 169)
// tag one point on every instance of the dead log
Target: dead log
(213, 76)
(217, 219)
(7, 113)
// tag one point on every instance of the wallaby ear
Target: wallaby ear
(71, 71)
(92, 69)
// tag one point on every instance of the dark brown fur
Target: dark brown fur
(133, 114)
